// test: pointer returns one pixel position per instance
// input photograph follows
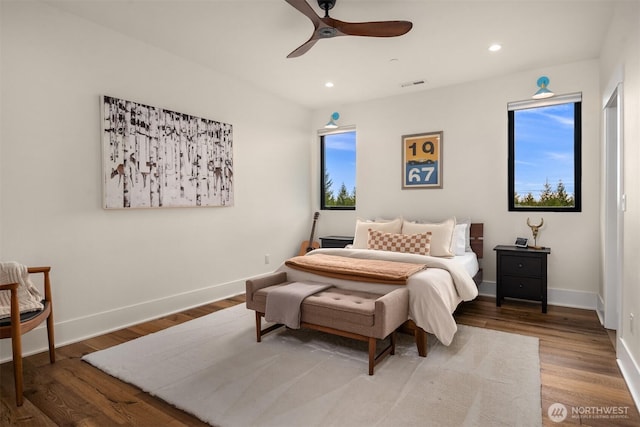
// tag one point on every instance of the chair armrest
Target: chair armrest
(38, 269)
(15, 308)
(9, 287)
(47, 282)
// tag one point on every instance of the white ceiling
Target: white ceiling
(250, 39)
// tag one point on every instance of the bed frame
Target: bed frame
(477, 246)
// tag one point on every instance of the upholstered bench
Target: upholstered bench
(360, 315)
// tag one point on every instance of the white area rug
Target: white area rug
(213, 368)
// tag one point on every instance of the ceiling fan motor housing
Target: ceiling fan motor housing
(326, 4)
(327, 32)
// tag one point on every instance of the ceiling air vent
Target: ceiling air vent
(413, 83)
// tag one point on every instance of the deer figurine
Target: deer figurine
(534, 231)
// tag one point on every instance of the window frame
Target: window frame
(321, 135)
(573, 98)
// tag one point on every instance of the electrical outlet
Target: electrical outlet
(631, 322)
(267, 258)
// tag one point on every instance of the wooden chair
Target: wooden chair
(18, 324)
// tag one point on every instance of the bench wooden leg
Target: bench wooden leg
(258, 327)
(372, 354)
(373, 358)
(389, 349)
(259, 331)
(393, 342)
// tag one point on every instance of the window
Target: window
(545, 154)
(338, 170)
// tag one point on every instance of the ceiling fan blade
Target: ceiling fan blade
(304, 48)
(374, 29)
(303, 7)
(327, 27)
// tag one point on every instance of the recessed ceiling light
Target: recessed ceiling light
(328, 84)
(495, 47)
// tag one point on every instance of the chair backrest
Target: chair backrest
(29, 297)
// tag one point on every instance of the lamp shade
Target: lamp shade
(543, 91)
(332, 121)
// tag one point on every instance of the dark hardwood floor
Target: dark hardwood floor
(578, 369)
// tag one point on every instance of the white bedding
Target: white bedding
(469, 262)
(434, 293)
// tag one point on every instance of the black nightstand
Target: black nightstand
(521, 273)
(336, 241)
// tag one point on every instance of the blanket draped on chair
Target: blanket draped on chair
(29, 297)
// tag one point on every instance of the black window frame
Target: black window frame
(575, 99)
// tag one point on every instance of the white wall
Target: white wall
(473, 117)
(621, 61)
(115, 267)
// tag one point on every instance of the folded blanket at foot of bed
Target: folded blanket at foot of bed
(364, 270)
(283, 303)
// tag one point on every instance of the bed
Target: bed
(434, 292)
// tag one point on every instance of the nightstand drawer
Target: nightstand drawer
(336, 241)
(522, 287)
(521, 266)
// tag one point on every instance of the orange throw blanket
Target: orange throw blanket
(363, 270)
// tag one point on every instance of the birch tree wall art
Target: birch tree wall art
(156, 158)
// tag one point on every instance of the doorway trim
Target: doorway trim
(614, 207)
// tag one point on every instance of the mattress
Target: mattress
(470, 262)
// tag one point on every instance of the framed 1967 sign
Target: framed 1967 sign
(422, 160)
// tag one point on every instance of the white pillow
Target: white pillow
(459, 240)
(361, 235)
(441, 235)
(467, 235)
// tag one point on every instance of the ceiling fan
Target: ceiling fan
(326, 27)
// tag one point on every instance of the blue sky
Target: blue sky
(340, 159)
(544, 148)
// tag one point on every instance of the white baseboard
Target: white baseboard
(560, 297)
(600, 309)
(487, 289)
(630, 370)
(78, 329)
(571, 298)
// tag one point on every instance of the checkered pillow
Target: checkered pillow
(407, 243)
